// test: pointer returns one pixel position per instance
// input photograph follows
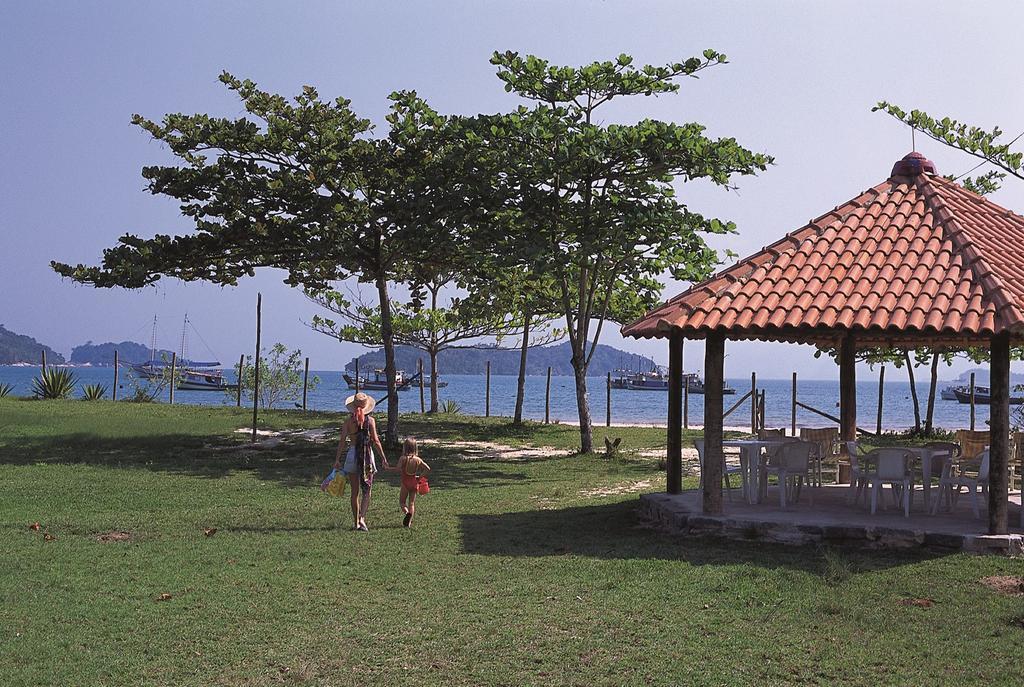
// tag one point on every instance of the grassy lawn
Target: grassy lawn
(517, 572)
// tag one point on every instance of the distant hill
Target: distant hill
(103, 354)
(473, 361)
(18, 348)
(981, 376)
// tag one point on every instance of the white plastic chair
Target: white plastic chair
(976, 484)
(892, 467)
(792, 466)
(858, 472)
(726, 468)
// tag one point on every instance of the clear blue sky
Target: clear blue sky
(802, 79)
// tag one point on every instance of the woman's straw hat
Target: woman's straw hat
(360, 399)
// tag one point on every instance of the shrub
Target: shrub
(6, 389)
(281, 372)
(54, 383)
(93, 392)
(450, 407)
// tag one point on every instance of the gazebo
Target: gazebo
(914, 261)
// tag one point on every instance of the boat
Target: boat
(191, 375)
(982, 396)
(379, 381)
(656, 379)
(949, 393)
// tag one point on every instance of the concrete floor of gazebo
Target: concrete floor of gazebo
(832, 520)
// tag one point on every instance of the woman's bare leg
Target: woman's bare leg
(363, 507)
(353, 483)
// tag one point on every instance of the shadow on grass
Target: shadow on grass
(294, 463)
(612, 531)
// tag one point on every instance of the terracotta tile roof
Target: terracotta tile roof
(915, 259)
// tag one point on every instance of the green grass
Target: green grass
(512, 575)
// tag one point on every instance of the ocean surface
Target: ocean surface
(628, 407)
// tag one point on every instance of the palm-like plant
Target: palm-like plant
(6, 389)
(450, 407)
(93, 392)
(54, 383)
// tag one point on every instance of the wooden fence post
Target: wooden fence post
(174, 365)
(487, 397)
(972, 401)
(793, 413)
(256, 368)
(753, 402)
(686, 401)
(357, 375)
(238, 391)
(305, 383)
(760, 417)
(547, 399)
(608, 397)
(881, 393)
(114, 395)
(423, 402)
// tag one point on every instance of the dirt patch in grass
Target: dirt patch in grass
(488, 451)
(1009, 585)
(114, 536)
(627, 488)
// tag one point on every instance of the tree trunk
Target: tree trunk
(931, 394)
(388, 339)
(434, 407)
(521, 383)
(583, 404)
(913, 392)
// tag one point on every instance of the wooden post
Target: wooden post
(114, 394)
(238, 391)
(972, 401)
(423, 402)
(44, 360)
(999, 433)
(753, 403)
(357, 375)
(686, 401)
(674, 444)
(608, 398)
(487, 393)
(256, 369)
(305, 383)
(714, 370)
(881, 393)
(760, 414)
(848, 389)
(793, 412)
(547, 399)
(174, 365)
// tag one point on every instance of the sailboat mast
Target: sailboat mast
(184, 329)
(152, 341)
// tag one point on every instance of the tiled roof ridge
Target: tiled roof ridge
(994, 287)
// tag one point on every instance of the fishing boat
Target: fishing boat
(379, 381)
(983, 396)
(656, 379)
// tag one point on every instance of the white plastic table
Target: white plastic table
(925, 454)
(750, 463)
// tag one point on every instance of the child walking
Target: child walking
(411, 468)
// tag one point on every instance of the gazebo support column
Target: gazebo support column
(999, 437)
(674, 459)
(848, 389)
(714, 370)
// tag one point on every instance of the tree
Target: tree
(428, 327)
(281, 376)
(300, 185)
(594, 205)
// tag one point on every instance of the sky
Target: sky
(801, 80)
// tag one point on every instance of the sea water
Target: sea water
(628, 406)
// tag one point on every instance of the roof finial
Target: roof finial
(912, 165)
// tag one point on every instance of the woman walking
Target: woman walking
(358, 439)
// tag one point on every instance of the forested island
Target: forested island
(19, 348)
(473, 361)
